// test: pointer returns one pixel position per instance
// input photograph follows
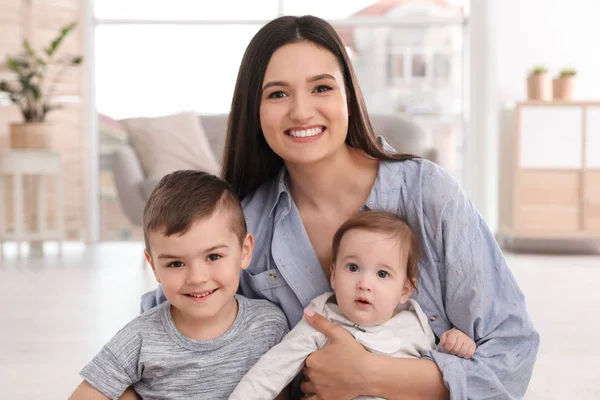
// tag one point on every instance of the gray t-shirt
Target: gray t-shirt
(153, 356)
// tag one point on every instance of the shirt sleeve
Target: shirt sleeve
(115, 367)
(483, 300)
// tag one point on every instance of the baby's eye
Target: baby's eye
(214, 257)
(175, 264)
(352, 267)
(382, 274)
(322, 88)
(277, 95)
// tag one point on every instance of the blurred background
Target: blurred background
(504, 94)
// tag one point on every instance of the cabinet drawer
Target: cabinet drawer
(547, 218)
(592, 201)
(548, 188)
(592, 217)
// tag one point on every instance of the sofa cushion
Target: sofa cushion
(170, 143)
(215, 127)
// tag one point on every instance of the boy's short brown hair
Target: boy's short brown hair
(386, 222)
(185, 196)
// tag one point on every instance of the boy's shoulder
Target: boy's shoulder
(261, 314)
(148, 321)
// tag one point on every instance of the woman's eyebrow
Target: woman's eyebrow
(310, 79)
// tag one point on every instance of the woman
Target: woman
(302, 155)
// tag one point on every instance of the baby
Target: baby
(373, 274)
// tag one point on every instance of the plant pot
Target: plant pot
(564, 88)
(539, 87)
(31, 135)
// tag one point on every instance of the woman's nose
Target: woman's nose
(302, 109)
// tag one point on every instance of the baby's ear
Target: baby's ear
(407, 289)
(332, 272)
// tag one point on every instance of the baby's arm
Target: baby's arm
(458, 343)
(277, 367)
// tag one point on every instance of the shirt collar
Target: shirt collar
(281, 188)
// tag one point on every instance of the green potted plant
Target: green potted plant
(539, 84)
(33, 87)
(564, 84)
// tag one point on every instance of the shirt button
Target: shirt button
(433, 318)
(272, 276)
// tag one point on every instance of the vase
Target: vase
(539, 87)
(31, 135)
(564, 88)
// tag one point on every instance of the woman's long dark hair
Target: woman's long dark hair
(248, 161)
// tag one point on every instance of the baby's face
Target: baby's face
(369, 276)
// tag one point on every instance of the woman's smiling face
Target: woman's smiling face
(304, 110)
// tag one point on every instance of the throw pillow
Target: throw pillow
(170, 143)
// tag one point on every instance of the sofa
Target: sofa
(134, 188)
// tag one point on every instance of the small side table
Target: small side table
(39, 164)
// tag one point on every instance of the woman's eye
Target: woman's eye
(352, 267)
(382, 274)
(214, 257)
(322, 88)
(175, 264)
(277, 95)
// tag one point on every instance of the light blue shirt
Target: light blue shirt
(464, 281)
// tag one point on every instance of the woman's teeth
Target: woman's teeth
(306, 132)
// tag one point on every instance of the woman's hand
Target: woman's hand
(337, 371)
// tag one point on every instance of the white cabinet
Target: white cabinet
(550, 171)
(592, 131)
(550, 137)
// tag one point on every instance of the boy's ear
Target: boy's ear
(149, 260)
(332, 273)
(247, 249)
(407, 290)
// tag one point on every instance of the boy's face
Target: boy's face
(199, 270)
(369, 276)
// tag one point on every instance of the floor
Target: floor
(58, 311)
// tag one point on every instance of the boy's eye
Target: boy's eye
(352, 267)
(277, 95)
(175, 264)
(322, 88)
(214, 257)
(382, 274)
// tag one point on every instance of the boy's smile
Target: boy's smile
(199, 271)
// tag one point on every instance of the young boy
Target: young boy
(205, 337)
(373, 274)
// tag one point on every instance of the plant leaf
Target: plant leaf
(50, 50)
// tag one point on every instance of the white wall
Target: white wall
(508, 38)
